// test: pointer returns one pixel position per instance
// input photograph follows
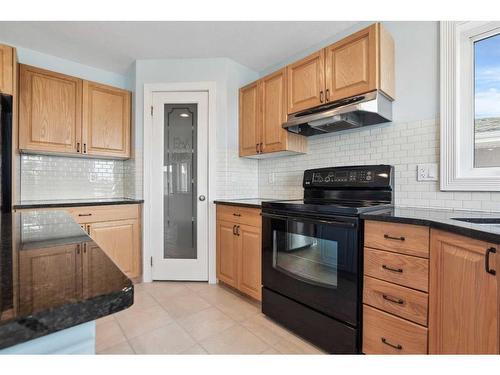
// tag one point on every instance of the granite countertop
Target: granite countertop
(53, 276)
(443, 219)
(245, 202)
(53, 203)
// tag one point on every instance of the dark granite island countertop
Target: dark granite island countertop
(245, 202)
(488, 231)
(53, 277)
(57, 203)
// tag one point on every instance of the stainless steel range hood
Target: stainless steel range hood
(355, 112)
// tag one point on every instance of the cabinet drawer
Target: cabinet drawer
(400, 269)
(401, 238)
(240, 215)
(93, 214)
(386, 334)
(398, 300)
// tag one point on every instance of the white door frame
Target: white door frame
(149, 89)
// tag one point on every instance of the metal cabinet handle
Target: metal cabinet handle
(321, 96)
(237, 230)
(386, 236)
(327, 95)
(487, 260)
(234, 230)
(85, 248)
(84, 214)
(399, 301)
(261, 148)
(78, 248)
(77, 146)
(235, 214)
(84, 148)
(397, 346)
(385, 267)
(257, 148)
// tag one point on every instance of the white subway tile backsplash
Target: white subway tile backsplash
(56, 177)
(403, 145)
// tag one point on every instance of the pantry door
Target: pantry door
(180, 186)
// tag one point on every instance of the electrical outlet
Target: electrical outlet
(427, 172)
(271, 178)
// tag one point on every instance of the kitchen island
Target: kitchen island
(55, 281)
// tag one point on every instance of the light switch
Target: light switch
(427, 172)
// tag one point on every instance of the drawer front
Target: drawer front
(93, 214)
(384, 333)
(240, 215)
(398, 300)
(400, 238)
(400, 269)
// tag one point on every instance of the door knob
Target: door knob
(201, 198)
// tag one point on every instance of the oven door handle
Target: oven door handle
(337, 223)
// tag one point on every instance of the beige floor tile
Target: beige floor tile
(234, 340)
(265, 329)
(216, 294)
(143, 299)
(162, 289)
(206, 323)
(135, 322)
(182, 306)
(237, 308)
(294, 345)
(105, 319)
(199, 286)
(122, 348)
(108, 334)
(196, 349)
(170, 339)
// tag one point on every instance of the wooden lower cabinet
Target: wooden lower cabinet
(227, 253)
(249, 253)
(37, 290)
(464, 301)
(239, 250)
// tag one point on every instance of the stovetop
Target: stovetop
(349, 208)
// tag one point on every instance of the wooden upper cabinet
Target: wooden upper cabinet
(50, 110)
(106, 121)
(274, 113)
(306, 82)
(7, 62)
(360, 63)
(249, 112)
(463, 296)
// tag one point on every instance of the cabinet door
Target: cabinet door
(49, 277)
(306, 82)
(6, 69)
(120, 240)
(249, 249)
(99, 273)
(351, 65)
(249, 113)
(50, 110)
(463, 297)
(227, 253)
(274, 114)
(106, 120)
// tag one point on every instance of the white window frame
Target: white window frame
(457, 108)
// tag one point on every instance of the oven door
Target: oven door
(314, 261)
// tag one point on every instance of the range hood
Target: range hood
(355, 112)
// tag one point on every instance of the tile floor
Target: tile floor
(194, 318)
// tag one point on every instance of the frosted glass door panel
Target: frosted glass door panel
(179, 176)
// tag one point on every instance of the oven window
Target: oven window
(312, 259)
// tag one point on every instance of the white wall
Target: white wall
(412, 138)
(235, 177)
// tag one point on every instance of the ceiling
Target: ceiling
(113, 46)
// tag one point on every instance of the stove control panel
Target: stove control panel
(358, 176)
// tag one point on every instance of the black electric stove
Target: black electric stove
(312, 254)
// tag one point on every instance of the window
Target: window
(470, 106)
